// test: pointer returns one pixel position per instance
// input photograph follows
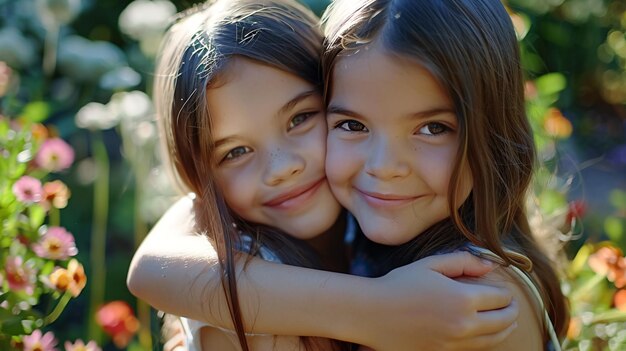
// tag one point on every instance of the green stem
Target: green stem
(141, 230)
(609, 317)
(587, 287)
(58, 309)
(50, 49)
(98, 234)
(54, 216)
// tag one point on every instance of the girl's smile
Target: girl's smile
(386, 200)
(292, 199)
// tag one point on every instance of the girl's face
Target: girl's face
(392, 142)
(269, 132)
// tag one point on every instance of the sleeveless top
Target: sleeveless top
(553, 344)
(192, 327)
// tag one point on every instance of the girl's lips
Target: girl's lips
(385, 200)
(296, 196)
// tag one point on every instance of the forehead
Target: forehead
(377, 80)
(247, 91)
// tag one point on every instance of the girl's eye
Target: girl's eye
(236, 153)
(300, 118)
(434, 128)
(352, 126)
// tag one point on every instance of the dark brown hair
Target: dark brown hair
(471, 48)
(195, 52)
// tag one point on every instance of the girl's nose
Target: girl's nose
(282, 166)
(386, 160)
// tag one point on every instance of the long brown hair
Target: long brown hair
(471, 48)
(193, 55)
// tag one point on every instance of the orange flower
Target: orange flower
(60, 279)
(79, 279)
(556, 124)
(574, 328)
(117, 320)
(55, 194)
(39, 131)
(609, 261)
(619, 300)
(72, 279)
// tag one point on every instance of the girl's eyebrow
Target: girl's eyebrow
(334, 109)
(338, 110)
(286, 108)
(224, 141)
(431, 112)
(295, 100)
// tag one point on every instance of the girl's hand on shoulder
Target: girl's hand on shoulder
(420, 307)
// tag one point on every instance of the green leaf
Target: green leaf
(47, 268)
(12, 326)
(134, 346)
(36, 215)
(36, 112)
(618, 198)
(614, 228)
(4, 128)
(580, 259)
(551, 83)
(551, 201)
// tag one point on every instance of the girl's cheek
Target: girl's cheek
(341, 157)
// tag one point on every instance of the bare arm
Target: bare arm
(411, 307)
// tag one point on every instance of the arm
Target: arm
(177, 272)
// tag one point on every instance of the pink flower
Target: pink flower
(28, 190)
(5, 77)
(20, 275)
(56, 244)
(79, 345)
(55, 155)
(38, 342)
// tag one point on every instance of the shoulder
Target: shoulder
(529, 334)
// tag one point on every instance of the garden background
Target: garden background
(80, 182)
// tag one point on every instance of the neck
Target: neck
(330, 246)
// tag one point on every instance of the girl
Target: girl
(254, 157)
(212, 59)
(429, 146)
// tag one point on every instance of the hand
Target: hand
(419, 307)
(173, 334)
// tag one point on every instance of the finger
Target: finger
(494, 321)
(458, 264)
(489, 297)
(177, 342)
(487, 341)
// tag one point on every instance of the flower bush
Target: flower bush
(87, 66)
(39, 274)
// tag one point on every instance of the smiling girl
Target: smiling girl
(238, 93)
(429, 145)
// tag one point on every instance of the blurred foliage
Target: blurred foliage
(82, 67)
